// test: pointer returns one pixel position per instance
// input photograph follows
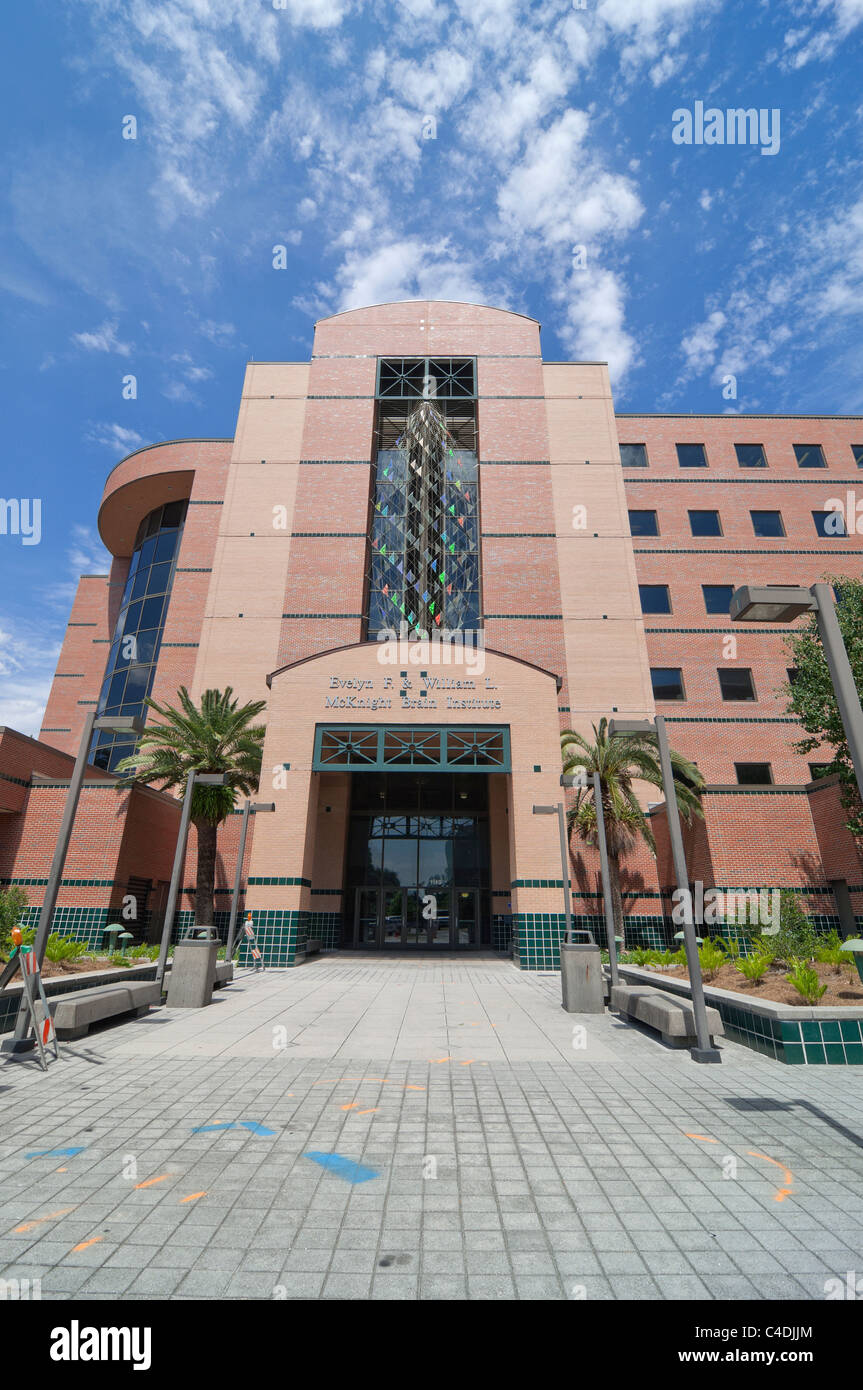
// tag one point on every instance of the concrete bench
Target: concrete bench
(224, 973)
(74, 1013)
(669, 1015)
(313, 945)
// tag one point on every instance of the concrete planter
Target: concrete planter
(804, 1035)
(68, 984)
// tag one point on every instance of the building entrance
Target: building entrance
(418, 862)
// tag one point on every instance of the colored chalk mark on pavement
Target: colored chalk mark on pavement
(151, 1182)
(342, 1167)
(193, 1197)
(94, 1240)
(252, 1125)
(56, 1153)
(38, 1220)
(782, 1192)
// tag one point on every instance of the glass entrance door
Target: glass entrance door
(367, 914)
(466, 927)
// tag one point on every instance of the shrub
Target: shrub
(143, 952)
(13, 901)
(711, 956)
(797, 938)
(753, 967)
(804, 978)
(640, 955)
(830, 951)
(60, 948)
(119, 959)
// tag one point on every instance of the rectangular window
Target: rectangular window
(717, 597)
(767, 524)
(655, 598)
(705, 524)
(667, 682)
(750, 455)
(809, 456)
(857, 451)
(643, 523)
(735, 683)
(754, 774)
(817, 770)
(691, 456)
(829, 524)
(633, 455)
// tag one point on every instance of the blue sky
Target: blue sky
(308, 124)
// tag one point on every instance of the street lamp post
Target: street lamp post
(559, 811)
(780, 604)
(207, 779)
(702, 1052)
(19, 1042)
(606, 880)
(251, 808)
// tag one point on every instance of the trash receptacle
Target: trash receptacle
(193, 970)
(581, 975)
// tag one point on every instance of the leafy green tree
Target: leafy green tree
(621, 762)
(13, 901)
(811, 699)
(797, 937)
(218, 735)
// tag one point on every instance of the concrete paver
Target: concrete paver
(489, 1146)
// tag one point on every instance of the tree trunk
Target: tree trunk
(616, 897)
(206, 872)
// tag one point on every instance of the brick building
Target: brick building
(427, 472)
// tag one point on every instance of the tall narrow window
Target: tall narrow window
(424, 569)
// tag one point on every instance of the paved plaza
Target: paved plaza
(430, 1128)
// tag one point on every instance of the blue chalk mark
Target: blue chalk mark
(55, 1153)
(251, 1125)
(341, 1167)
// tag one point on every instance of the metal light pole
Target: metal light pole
(775, 604)
(210, 779)
(250, 809)
(702, 1052)
(119, 724)
(606, 880)
(560, 811)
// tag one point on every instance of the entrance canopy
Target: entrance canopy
(394, 747)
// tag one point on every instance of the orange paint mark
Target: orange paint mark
(353, 1105)
(782, 1192)
(151, 1182)
(61, 1170)
(193, 1197)
(52, 1216)
(367, 1112)
(468, 1063)
(414, 1088)
(94, 1240)
(437, 1060)
(703, 1137)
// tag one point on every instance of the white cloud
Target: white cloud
(113, 436)
(28, 657)
(804, 45)
(594, 328)
(103, 339)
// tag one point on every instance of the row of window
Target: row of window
(748, 455)
(768, 524)
(735, 682)
(761, 774)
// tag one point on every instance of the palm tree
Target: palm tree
(217, 736)
(621, 761)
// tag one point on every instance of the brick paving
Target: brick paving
(516, 1152)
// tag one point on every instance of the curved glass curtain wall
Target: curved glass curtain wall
(134, 652)
(424, 561)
